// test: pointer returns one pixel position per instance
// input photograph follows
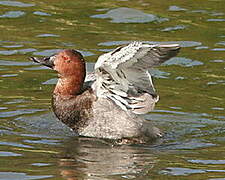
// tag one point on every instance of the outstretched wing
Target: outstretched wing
(122, 75)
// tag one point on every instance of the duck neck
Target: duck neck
(70, 85)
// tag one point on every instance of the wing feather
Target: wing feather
(122, 75)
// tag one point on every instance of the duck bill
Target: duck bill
(46, 61)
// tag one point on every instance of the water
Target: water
(191, 111)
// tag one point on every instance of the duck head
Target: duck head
(70, 66)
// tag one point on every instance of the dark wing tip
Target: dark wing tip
(168, 51)
(34, 59)
(173, 51)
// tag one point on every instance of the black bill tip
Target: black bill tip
(34, 59)
(46, 61)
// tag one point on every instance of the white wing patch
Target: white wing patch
(122, 75)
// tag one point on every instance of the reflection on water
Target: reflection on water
(95, 160)
(34, 145)
(90, 158)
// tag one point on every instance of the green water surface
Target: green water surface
(191, 110)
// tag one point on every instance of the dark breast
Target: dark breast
(74, 111)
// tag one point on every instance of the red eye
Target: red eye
(65, 58)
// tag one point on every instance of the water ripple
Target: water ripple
(217, 14)
(175, 171)
(13, 14)
(217, 61)
(40, 13)
(47, 52)
(16, 3)
(14, 144)
(192, 144)
(50, 52)
(45, 124)
(159, 74)
(13, 46)
(15, 101)
(129, 15)
(14, 63)
(222, 43)
(48, 35)
(43, 141)
(207, 161)
(19, 51)
(218, 49)
(182, 61)
(199, 11)
(8, 154)
(215, 20)
(176, 8)
(19, 112)
(40, 164)
(19, 176)
(181, 43)
(174, 28)
(9, 75)
(201, 47)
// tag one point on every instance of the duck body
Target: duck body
(111, 104)
(101, 118)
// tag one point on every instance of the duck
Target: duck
(110, 102)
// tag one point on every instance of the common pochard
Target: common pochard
(109, 104)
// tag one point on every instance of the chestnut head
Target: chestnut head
(66, 62)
